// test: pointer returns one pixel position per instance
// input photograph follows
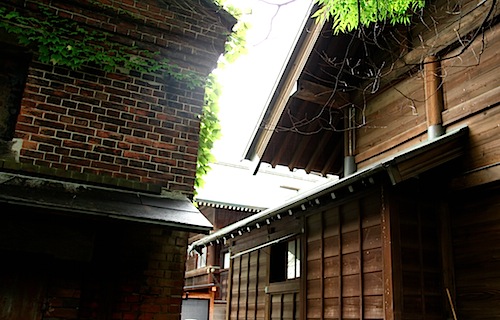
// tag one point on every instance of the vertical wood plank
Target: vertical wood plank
(322, 265)
(421, 260)
(256, 304)
(248, 284)
(239, 288)
(340, 261)
(229, 288)
(295, 304)
(447, 251)
(302, 295)
(268, 297)
(282, 305)
(360, 251)
(391, 258)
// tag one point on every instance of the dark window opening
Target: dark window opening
(285, 261)
(13, 72)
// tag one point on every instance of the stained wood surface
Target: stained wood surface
(476, 241)
(392, 113)
(344, 261)
(472, 90)
(396, 117)
(247, 297)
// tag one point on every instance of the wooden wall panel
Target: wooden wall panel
(393, 113)
(474, 72)
(472, 88)
(284, 300)
(373, 307)
(421, 263)
(447, 16)
(344, 261)
(396, 116)
(331, 308)
(247, 299)
(476, 240)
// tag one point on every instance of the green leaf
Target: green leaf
(349, 15)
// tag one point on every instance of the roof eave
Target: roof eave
(76, 199)
(283, 90)
(390, 165)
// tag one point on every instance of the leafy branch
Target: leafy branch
(61, 41)
(348, 15)
(210, 129)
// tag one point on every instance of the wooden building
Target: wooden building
(409, 118)
(206, 283)
(97, 163)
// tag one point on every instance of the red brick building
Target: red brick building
(97, 167)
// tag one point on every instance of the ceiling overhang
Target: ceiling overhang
(305, 114)
(283, 90)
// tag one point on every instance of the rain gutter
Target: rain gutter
(330, 188)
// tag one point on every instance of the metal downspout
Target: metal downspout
(434, 104)
(349, 140)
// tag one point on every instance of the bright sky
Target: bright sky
(249, 81)
(247, 86)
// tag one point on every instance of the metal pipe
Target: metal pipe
(433, 97)
(349, 140)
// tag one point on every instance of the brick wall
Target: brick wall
(73, 268)
(124, 124)
(136, 277)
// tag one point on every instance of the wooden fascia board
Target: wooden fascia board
(283, 92)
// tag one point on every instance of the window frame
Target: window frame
(201, 258)
(285, 265)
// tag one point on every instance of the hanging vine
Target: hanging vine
(61, 41)
(349, 15)
(210, 129)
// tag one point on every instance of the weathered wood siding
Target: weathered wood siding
(377, 254)
(472, 90)
(419, 236)
(392, 118)
(345, 261)
(249, 275)
(476, 243)
(247, 290)
(395, 118)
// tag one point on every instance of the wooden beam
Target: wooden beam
(282, 94)
(320, 94)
